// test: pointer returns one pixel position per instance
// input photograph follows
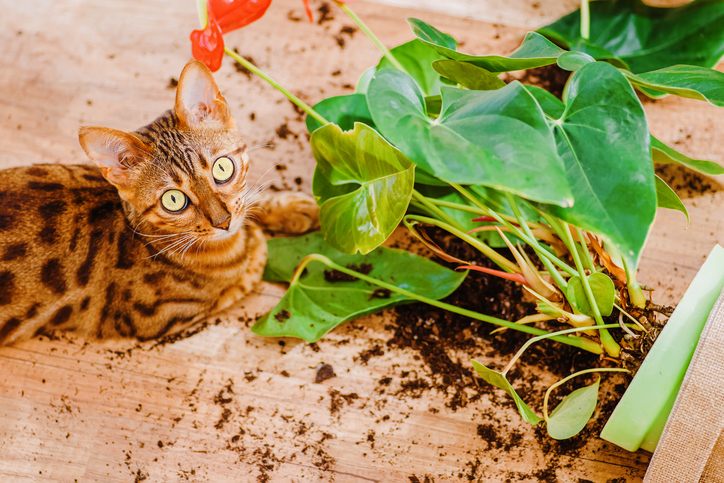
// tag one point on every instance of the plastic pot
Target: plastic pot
(640, 416)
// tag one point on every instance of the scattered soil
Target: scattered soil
(240, 68)
(685, 182)
(550, 77)
(324, 372)
(283, 132)
(325, 13)
(337, 276)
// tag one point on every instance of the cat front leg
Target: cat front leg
(290, 213)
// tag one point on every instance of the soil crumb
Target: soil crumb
(324, 372)
(282, 316)
(337, 276)
(240, 68)
(325, 13)
(685, 182)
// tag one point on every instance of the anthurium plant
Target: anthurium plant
(433, 137)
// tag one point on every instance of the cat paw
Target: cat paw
(291, 213)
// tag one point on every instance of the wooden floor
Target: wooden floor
(226, 405)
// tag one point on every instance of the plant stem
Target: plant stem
(540, 251)
(276, 85)
(388, 55)
(201, 9)
(585, 20)
(522, 222)
(533, 340)
(580, 342)
(435, 210)
(587, 260)
(565, 380)
(636, 295)
(610, 346)
(496, 257)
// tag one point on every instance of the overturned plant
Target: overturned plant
(435, 138)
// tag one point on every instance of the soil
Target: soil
(685, 182)
(446, 342)
(550, 77)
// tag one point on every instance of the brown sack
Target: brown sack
(691, 448)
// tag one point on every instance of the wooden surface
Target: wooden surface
(226, 405)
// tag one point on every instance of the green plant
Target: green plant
(434, 138)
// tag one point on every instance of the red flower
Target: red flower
(224, 16)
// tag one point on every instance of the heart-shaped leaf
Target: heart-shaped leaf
(322, 299)
(603, 291)
(496, 138)
(689, 81)
(664, 154)
(573, 413)
(343, 111)
(362, 184)
(498, 380)
(551, 105)
(535, 51)
(417, 60)
(468, 75)
(604, 140)
(667, 198)
(648, 38)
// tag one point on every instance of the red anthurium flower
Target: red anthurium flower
(208, 45)
(235, 14)
(224, 16)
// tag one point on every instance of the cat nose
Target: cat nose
(224, 224)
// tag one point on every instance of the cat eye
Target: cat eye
(174, 200)
(223, 169)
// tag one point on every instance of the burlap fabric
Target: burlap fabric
(691, 448)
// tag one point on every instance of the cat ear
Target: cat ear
(197, 97)
(115, 152)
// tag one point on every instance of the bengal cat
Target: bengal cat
(157, 235)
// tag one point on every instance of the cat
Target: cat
(158, 235)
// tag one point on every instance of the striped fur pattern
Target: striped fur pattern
(94, 249)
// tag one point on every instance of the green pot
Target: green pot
(640, 416)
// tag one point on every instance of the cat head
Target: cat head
(186, 171)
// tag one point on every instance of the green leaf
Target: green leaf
(364, 80)
(550, 104)
(497, 138)
(603, 138)
(429, 34)
(648, 38)
(417, 60)
(688, 81)
(573, 413)
(535, 51)
(667, 198)
(664, 154)
(314, 305)
(574, 60)
(468, 75)
(363, 186)
(498, 380)
(603, 291)
(343, 111)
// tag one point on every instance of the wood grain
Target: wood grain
(86, 411)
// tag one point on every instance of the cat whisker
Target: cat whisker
(259, 146)
(174, 244)
(189, 245)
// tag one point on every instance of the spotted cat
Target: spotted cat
(157, 235)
